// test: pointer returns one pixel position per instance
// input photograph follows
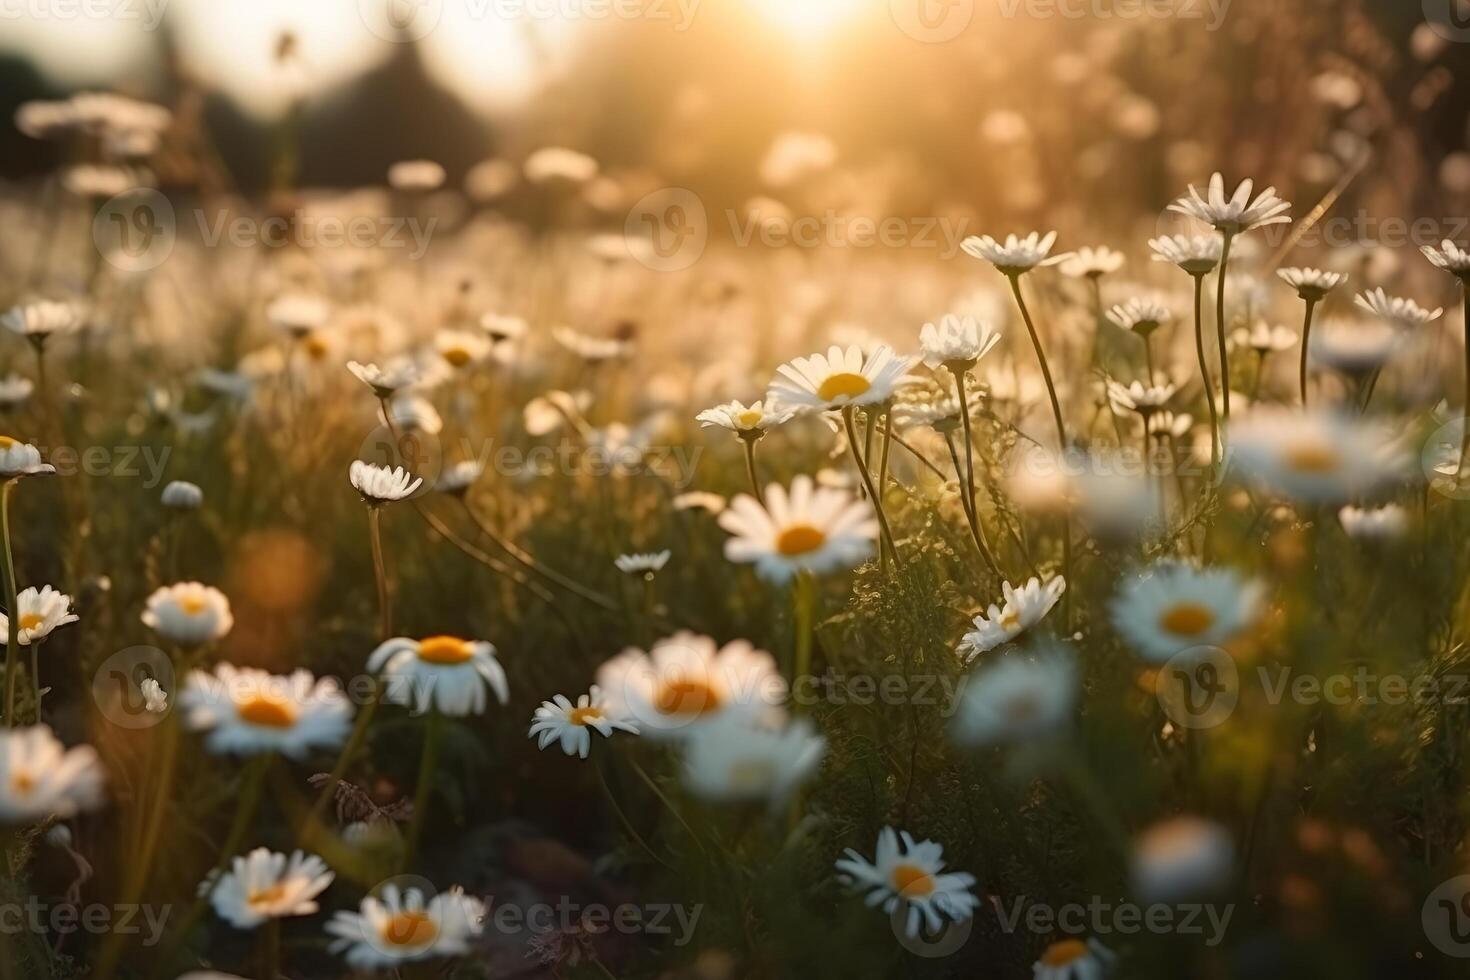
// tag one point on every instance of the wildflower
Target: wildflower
(298, 314)
(1312, 285)
(380, 485)
(41, 612)
(957, 342)
(592, 349)
(1015, 255)
(556, 163)
(547, 413)
(1141, 316)
(461, 348)
(1451, 258)
(750, 421)
(15, 390)
(837, 379)
(41, 320)
(155, 700)
(642, 564)
(265, 885)
(18, 459)
(687, 680)
(182, 495)
(1023, 608)
(388, 380)
(1197, 255)
(1174, 607)
(910, 873)
(41, 778)
(402, 927)
(443, 672)
(248, 711)
(1092, 263)
(1399, 311)
(816, 529)
(457, 479)
(190, 614)
(416, 176)
(1237, 214)
(700, 500)
(1182, 858)
(1264, 339)
(409, 412)
(1074, 959)
(1316, 457)
(1017, 699)
(730, 763)
(1355, 349)
(572, 724)
(1140, 398)
(1387, 523)
(501, 328)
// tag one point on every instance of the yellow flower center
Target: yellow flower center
(749, 419)
(267, 711)
(6, 442)
(912, 882)
(22, 783)
(30, 620)
(687, 697)
(267, 896)
(192, 605)
(1313, 458)
(1187, 619)
(582, 716)
(1010, 620)
(846, 383)
(1065, 952)
(410, 929)
(800, 539)
(457, 356)
(444, 650)
(317, 348)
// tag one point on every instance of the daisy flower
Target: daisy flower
(155, 700)
(1017, 699)
(1236, 214)
(558, 720)
(1264, 339)
(416, 176)
(15, 390)
(1023, 608)
(1195, 254)
(248, 711)
(188, 613)
(1141, 316)
(837, 379)
(379, 484)
(1182, 858)
(1138, 397)
(458, 478)
(956, 342)
(1387, 523)
(910, 873)
(461, 348)
(442, 672)
(1092, 263)
(592, 349)
(182, 495)
(402, 927)
(748, 421)
(731, 763)
(38, 321)
(41, 611)
(298, 314)
(18, 459)
(1449, 257)
(687, 680)
(1073, 959)
(558, 163)
(386, 381)
(1315, 457)
(700, 500)
(1311, 284)
(409, 412)
(1174, 607)
(1399, 311)
(41, 778)
(500, 328)
(809, 529)
(1015, 255)
(642, 564)
(266, 885)
(1355, 349)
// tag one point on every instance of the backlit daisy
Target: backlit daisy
(404, 927)
(816, 529)
(956, 342)
(910, 873)
(461, 348)
(15, 390)
(731, 763)
(379, 484)
(687, 680)
(559, 720)
(41, 778)
(1015, 255)
(593, 349)
(837, 379)
(266, 885)
(246, 711)
(1264, 339)
(1173, 607)
(1387, 523)
(1074, 959)
(1141, 316)
(1092, 263)
(1016, 699)
(1238, 213)
(387, 380)
(1397, 310)
(1023, 608)
(442, 672)
(416, 176)
(1311, 284)
(41, 611)
(1181, 859)
(182, 495)
(188, 613)
(744, 420)
(459, 477)
(1195, 254)
(40, 320)
(1449, 257)
(298, 314)
(1317, 457)
(18, 459)
(1354, 349)
(642, 564)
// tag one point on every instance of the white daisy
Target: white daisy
(41, 778)
(188, 613)
(1141, 316)
(442, 672)
(298, 314)
(1387, 523)
(1016, 699)
(558, 163)
(18, 459)
(642, 564)
(1195, 254)
(458, 478)
(1449, 257)
(687, 681)
(155, 699)
(1138, 397)
(387, 380)
(1399, 311)
(1173, 607)
(1023, 608)
(558, 720)
(1263, 338)
(15, 390)
(910, 873)
(810, 529)
(500, 328)
(1354, 349)
(379, 484)
(40, 320)
(592, 349)
(182, 495)
(1237, 214)
(1092, 263)
(1015, 255)
(730, 763)
(410, 412)
(41, 611)
(265, 885)
(248, 711)
(461, 348)
(401, 927)
(743, 420)
(416, 176)
(1073, 959)
(957, 342)
(1316, 457)
(1311, 284)
(1182, 858)
(837, 379)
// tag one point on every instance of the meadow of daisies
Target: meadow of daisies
(526, 608)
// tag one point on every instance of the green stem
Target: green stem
(623, 816)
(1204, 369)
(12, 638)
(1306, 336)
(968, 502)
(380, 573)
(528, 561)
(1220, 324)
(804, 596)
(1051, 388)
(750, 470)
(428, 762)
(867, 478)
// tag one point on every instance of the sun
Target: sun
(810, 19)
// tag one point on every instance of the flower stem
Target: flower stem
(750, 470)
(969, 504)
(1051, 388)
(428, 762)
(349, 751)
(867, 478)
(1465, 436)
(380, 573)
(1220, 323)
(12, 637)
(804, 596)
(1204, 368)
(623, 816)
(1306, 335)
(528, 561)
